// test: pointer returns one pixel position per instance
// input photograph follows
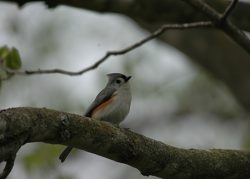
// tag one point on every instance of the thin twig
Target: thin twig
(153, 35)
(223, 23)
(229, 9)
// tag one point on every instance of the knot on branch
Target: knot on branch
(3, 126)
(64, 132)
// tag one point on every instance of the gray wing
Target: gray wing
(103, 96)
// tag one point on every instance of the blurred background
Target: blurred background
(174, 100)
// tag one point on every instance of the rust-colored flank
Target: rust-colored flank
(102, 106)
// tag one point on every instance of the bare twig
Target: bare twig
(222, 22)
(229, 9)
(153, 35)
(219, 20)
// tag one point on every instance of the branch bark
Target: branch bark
(150, 157)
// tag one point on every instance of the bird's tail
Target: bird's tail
(65, 153)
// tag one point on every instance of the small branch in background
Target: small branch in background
(229, 9)
(222, 21)
(210, 11)
(219, 20)
(125, 50)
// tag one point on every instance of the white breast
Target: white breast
(118, 108)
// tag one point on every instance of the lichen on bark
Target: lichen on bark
(149, 156)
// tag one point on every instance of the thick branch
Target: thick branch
(157, 11)
(147, 155)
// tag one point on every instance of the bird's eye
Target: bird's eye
(118, 81)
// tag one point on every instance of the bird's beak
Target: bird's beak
(128, 78)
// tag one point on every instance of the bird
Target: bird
(112, 104)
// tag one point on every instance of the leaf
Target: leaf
(4, 51)
(13, 60)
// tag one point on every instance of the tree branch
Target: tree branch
(215, 53)
(125, 50)
(220, 20)
(229, 9)
(150, 157)
(223, 22)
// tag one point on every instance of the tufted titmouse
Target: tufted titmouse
(112, 104)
